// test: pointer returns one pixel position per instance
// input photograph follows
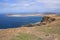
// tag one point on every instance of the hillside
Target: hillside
(48, 29)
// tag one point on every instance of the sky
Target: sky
(23, 6)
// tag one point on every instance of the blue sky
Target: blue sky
(19, 6)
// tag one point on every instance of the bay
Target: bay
(14, 22)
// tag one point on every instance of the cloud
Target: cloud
(30, 5)
(24, 5)
(50, 3)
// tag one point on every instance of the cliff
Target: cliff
(47, 29)
(45, 20)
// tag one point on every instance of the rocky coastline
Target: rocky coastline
(47, 29)
(45, 20)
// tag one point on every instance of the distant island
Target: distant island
(22, 15)
(33, 14)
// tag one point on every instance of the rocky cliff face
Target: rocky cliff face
(47, 19)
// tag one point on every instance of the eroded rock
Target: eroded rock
(47, 19)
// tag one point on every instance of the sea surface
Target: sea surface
(14, 22)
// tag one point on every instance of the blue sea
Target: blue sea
(14, 22)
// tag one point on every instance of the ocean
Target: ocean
(14, 22)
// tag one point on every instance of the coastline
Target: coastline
(48, 30)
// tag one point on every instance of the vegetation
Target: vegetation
(52, 29)
(25, 36)
(46, 31)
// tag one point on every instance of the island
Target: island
(22, 15)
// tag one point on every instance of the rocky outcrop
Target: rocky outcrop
(47, 19)
(28, 25)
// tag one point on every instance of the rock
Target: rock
(44, 21)
(37, 24)
(43, 24)
(29, 25)
(47, 19)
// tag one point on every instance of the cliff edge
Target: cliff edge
(47, 29)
